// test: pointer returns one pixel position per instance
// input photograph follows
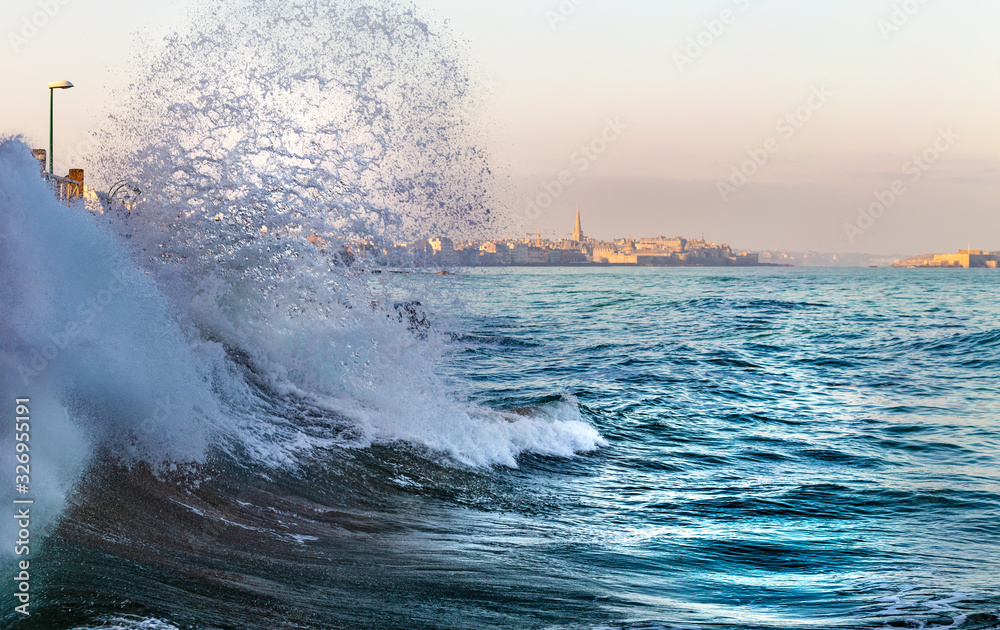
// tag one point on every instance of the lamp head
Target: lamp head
(60, 85)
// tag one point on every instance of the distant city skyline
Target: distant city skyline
(663, 250)
(578, 249)
(766, 125)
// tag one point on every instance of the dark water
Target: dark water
(788, 448)
(785, 448)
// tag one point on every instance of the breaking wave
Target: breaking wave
(280, 151)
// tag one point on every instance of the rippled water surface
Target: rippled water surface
(780, 448)
(787, 447)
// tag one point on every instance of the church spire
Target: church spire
(578, 229)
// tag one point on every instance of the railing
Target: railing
(66, 189)
(125, 194)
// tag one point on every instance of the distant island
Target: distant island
(964, 259)
(579, 249)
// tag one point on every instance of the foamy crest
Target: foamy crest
(129, 622)
(85, 327)
(474, 435)
(277, 142)
(90, 340)
(281, 149)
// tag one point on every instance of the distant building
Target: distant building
(964, 259)
(443, 250)
(968, 259)
(674, 245)
(623, 259)
(602, 253)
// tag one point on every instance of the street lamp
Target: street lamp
(55, 85)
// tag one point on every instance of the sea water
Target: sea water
(236, 425)
(778, 448)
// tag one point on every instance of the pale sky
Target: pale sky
(865, 95)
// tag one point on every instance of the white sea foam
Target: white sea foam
(140, 377)
(129, 622)
(204, 318)
(90, 340)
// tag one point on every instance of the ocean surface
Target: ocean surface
(710, 448)
(243, 417)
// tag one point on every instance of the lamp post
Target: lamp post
(55, 85)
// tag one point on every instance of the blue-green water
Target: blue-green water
(779, 448)
(787, 448)
(235, 427)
